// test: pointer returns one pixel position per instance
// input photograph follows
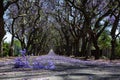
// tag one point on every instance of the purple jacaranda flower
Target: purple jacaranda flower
(18, 63)
(50, 65)
(111, 19)
(50, 60)
(45, 63)
(23, 52)
(37, 65)
(27, 65)
(13, 9)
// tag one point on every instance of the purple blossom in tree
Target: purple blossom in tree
(111, 19)
(94, 3)
(13, 10)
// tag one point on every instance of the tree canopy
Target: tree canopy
(70, 27)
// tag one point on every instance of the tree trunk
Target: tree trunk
(88, 50)
(1, 49)
(76, 48)
(2, 31)
(113, 35)
(97, 52)
(113, 43)
(83, 48)
(11, 49)
(67, 47)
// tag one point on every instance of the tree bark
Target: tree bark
(88, 50)
(11, 49)
(97, 52)
(68, 51)
(113, 35)
(113, 43)
(76, 48)
(83, 48)
(2, 31)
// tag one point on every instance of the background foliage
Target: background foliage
(80, 28)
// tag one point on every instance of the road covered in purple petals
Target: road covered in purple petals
(65, 68)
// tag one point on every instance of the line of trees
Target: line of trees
(85, 21)
(70, 27)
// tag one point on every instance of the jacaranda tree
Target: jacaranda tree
(4, 4)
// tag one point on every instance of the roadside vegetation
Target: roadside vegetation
(86, 29)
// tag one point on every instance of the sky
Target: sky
(8, 37)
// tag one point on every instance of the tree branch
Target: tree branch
(9, 3)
